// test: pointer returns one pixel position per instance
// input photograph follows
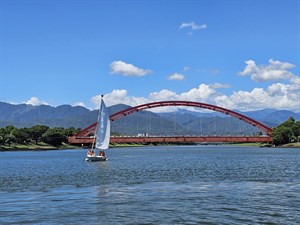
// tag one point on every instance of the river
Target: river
(152, 185)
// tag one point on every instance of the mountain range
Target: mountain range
(180, 122)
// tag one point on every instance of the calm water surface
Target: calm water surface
(152, 185)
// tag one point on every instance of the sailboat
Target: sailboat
(101, 136)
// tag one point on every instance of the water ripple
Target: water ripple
(212, 185)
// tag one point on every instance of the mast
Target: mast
(97, 126)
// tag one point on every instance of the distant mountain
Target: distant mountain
(180, 122)
(280, 116)
(27, 115)
(258, 114)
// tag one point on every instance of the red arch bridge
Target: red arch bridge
(85, 136)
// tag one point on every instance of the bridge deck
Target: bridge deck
(176, 139)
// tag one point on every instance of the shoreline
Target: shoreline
(35, 147)
(65, 146)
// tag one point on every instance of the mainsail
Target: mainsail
(103, 128)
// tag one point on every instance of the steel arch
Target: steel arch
(138, 108)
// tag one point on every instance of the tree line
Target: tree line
(39, 133)
(286, 132)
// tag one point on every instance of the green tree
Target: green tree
(9, 129)
(9, 139)
(21, 135)
(282, 135)
(71, 131)
(286, 132)
(2, 135)
(54, 136)
(36, 132)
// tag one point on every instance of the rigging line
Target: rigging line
(147, 130)
(200, 123)
(228, 126)
(137, 124)
(175, 120)
(240, 126)
(214, 125)
(161, 125)
(125, 126)
(188, 125)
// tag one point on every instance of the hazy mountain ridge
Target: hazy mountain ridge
(181, 122)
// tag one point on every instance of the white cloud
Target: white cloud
(193, 26)
(163, 95)
(118, 97)
(126, 69)
(219, 85)
(35, 101)
(79, 104)
(275, 70)
(203, 93)
(176, 76)
(278, 96)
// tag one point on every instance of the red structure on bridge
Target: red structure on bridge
(84, 136)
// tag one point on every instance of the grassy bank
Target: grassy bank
(291, 145)
(44, 146)
(126, 145)
(251, 144)
(32, 146)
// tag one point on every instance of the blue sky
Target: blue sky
(236, 54)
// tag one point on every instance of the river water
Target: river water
(152, 185)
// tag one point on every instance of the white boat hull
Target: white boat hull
(95, 158)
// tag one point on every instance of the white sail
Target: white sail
(103, 131)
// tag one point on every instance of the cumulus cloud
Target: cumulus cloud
(126, 69)
(203, 93)
(164, 95)
(219, 85)
(278, 96)
(176, 76)
(35, 101)
(118, 97)
(275, 70)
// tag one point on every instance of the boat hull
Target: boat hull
(95, 158)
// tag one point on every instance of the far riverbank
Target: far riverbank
(43, 146)
(39, 146)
